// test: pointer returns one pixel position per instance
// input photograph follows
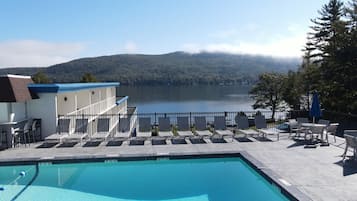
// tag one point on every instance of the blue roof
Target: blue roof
(119, 101)
(56, 88)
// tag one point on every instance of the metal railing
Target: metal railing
(117, 114)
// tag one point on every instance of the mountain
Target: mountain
(173, 68)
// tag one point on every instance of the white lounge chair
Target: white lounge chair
(80, 132)
(62, 131)
(103, 131)
(144, 128)
(220, 126)
(261, 125)
(243, 126)
(124, 128)
(201, 127)
(183, 127)
(165, 127)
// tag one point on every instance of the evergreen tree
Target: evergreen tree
(327, 48)
(40, 78)
(88, 77)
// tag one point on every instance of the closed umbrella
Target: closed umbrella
(315, 110)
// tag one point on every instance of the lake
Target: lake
(149, 99)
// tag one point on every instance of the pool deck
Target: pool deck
(316, 172)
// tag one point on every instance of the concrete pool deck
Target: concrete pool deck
(318, 172)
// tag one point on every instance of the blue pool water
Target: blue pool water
(222, 179)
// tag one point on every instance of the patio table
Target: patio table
(311, 126)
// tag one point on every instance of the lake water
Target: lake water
(188, 98)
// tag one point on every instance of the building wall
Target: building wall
(4, 115)
(44, 108)
(66, 103)
(19, 109)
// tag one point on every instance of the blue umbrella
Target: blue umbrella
(315, 110)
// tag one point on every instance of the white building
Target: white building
(48, 102)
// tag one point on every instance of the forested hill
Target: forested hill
(172, 68)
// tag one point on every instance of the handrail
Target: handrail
(94, 105)
(28, 184)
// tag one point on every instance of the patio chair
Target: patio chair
(103, 130)
(201, 127)
(124, 128)
(22, 134)
(351, 142)
(34, 130)
(80, 132)
(220, 126)
(261, 125)
(331, 130)
(183, 127)
(165, 127)
(144, 127)
(63, 129)
(243, 126)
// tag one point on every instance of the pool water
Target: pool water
(219, 179)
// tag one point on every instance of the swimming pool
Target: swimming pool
(209, 179)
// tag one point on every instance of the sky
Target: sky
(43, 33)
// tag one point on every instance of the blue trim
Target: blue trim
(56, 88)
(122, 100)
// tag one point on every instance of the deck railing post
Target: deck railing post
(190, 118)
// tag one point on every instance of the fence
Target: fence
(132, 115)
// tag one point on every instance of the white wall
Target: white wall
(19, 109)
(44, 108)
(83, 98)
(66, 103)
(4, 115)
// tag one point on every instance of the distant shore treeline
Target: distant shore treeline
(176, 68)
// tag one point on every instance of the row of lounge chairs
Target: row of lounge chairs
(201, 127)
(103, 130)
(145, 129)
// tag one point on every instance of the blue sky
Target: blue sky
(42, 32)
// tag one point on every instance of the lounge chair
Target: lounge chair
(220, 126)
(261, 125)
(62, 131)
(243, 126)
(183, 127)
(201, 126)
(165, 127)
(124, 128)
(144, 127)
(103, 129)
(80, 132)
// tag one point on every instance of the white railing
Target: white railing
(96, 108)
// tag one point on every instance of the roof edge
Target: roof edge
(67, 87)
(16, 76)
